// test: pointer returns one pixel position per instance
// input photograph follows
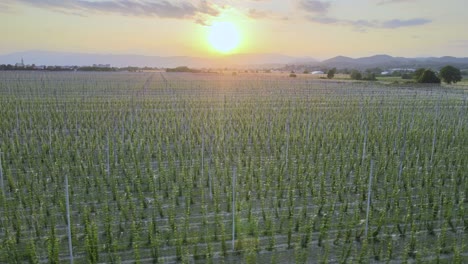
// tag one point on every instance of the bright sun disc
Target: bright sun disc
(223, 36)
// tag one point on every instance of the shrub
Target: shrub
(331, 73)
(369, 77)
(356, 75)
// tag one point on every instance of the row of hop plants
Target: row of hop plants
(302, 176)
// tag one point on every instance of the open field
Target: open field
(163, 168)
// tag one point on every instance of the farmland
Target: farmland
(203, 168)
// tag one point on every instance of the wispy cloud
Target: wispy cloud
(261, 14)
(5, 7)
(397, 23)
(162, 9)
(312, 6)
(363, 24)
(258, 14)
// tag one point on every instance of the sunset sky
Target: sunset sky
(318, 29)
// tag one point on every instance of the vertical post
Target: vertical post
(107, 156)
(364, 146)
(50, 137)
(1, 173)
(202, 155)
(70, 247)
(369, 192)
(287, 148)
(233, 206)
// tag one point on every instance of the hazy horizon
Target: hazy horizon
(301, 28)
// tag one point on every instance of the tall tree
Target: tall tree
(418, 73)
(428, 76)
(450, 74)
(331, 73)
(356, 75)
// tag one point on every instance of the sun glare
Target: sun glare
(223, 37)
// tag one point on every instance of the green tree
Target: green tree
(428, 76)
(356, 75)
(450, 74)
(331, 73)
(369, 77)
(418, 73)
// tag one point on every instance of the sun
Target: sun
(223, 36)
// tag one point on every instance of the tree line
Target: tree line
(447, 74)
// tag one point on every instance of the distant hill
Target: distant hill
(264, 60)
(387, 62)
(117, 60)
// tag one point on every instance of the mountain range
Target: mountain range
(389, 62)
(263, 60)
(124, 60)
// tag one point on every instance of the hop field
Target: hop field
(198, 168)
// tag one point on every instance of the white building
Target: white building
(20, 64)
(318, 72)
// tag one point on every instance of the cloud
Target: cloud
(257, 14)
(4, 8)
(261, 14)
(143, 8)
(397, 23)
(324, 20)
(209, 9)
(312, 6)
(363, 24)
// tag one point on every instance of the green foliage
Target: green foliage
(356, 75)
(428, 76)
(182, 69)
(406, 76)
(302, 149)
(98, 69)
(53, 247)
(331, 73)
(91, 242)
(418, 73)
(32, 254)
(369, 77)
(450, 74)
(376, 70)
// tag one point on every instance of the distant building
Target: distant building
(402, 70)
(20, 64)
(101, 65)
(318, 72)
(385, 73)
